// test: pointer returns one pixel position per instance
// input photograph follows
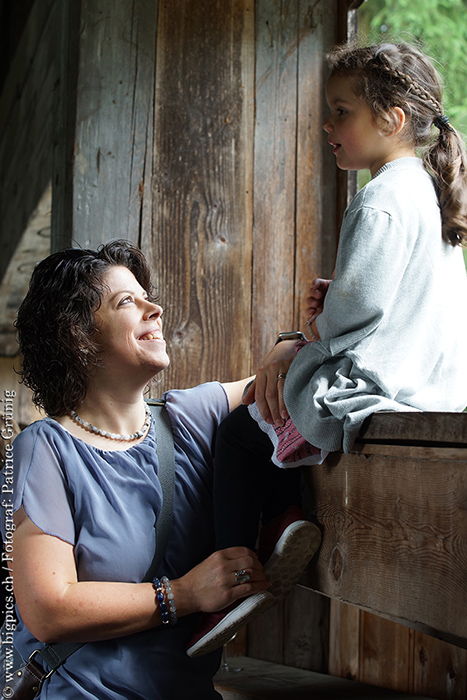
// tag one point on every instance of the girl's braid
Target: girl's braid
(414, 87)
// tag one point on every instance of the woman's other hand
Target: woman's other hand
(212, 585)
(267, 389)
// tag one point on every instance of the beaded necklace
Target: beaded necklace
(113, 436)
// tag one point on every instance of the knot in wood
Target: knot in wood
(337, 564)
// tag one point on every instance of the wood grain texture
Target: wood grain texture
(261, 680)
(114, 120)
(386, 653)
(439, 669)
(277, 32)
(202, 217)
(344, 640)
(317, 177)
(306, 633)
(266, 635)
(416, 428)
(394, 538)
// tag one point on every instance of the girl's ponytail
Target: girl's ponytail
(446, 159)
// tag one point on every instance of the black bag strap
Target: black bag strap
(56, 654)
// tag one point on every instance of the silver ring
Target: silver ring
(281, 375)
(241, 577)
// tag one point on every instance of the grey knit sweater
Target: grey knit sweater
(394, 327)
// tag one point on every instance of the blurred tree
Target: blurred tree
(439, 27)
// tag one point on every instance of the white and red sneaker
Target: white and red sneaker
(215, 629)
(286, 544)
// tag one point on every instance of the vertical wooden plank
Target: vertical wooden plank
(65, 97)
(294, 240)
(344, 640)
(316, 180)
(266, 635)
(114, 118)
(275, 171)
(238, 645)
(386, 650)
(306, 633)
(203, 186)
(276, 25)
(440, 669)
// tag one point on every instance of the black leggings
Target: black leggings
(247, 485)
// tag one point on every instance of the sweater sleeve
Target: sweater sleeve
(363, 292)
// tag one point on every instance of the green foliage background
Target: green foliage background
(439, 28)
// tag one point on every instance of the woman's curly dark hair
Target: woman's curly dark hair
(56, 323)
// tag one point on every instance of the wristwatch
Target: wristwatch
(290, 335)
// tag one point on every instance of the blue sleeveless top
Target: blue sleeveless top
(106, 503)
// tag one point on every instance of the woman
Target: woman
(86, 501)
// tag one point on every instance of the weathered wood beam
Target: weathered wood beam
(413, 428)
(203, 186)
(104, 161)
(295, 224)
(317, 219)
(395, 531)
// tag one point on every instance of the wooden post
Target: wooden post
(103, 158)
(203, 187)
(296, 226)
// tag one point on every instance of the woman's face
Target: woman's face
(129, 331)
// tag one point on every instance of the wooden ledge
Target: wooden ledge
(262, 680)
(394, 524)
(415, 428)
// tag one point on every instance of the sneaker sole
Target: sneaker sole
(292, 553)
(231, 623)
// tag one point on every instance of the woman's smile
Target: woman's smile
(130, 326)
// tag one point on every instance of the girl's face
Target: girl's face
(357, 141)
(129, 327)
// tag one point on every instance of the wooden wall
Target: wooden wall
(194, 129)
(197, 133)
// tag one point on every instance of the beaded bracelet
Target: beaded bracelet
(160, 597)
(171, 600)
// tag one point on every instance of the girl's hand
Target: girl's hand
(267, 389)
(314, 298)
(212, 585)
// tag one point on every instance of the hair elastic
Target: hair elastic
(442, 122)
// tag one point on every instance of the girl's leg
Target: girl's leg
(247, 485)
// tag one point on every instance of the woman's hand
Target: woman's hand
(212, 585)
(267, 389)
(55, 606)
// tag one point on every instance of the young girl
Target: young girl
(392, 332)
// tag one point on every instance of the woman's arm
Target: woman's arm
(235, 391)
(55, 606)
